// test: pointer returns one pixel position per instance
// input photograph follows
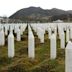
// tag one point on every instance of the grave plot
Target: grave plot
(22, 60)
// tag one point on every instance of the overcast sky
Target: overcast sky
(8, 7)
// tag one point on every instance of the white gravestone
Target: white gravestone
(10, 45)
(67, 35)
(6, 30)
(55, 31)
(41, 35)
(18, 35)
(62, 42)
(49, 33)
(2, 37)
(71, 33)
(53, 47)
(68, 57)
(31, 44)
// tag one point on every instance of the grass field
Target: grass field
(41, 63)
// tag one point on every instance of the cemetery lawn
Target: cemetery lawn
(41, 63)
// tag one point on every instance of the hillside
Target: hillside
(39, 14)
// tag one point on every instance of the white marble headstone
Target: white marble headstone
(53, 46)
(18, 35)
(2, 37)
(10, 45)
(67, 35)
(31, 44)
(62, 40)
(68, 57)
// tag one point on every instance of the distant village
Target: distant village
(3, 19)
(7, 20)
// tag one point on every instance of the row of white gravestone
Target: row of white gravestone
(40, 32)
(62, 35)
(31, 45)
(52, 37)
(68, 33)
(10, 28)
(68, 50)
(11, 51)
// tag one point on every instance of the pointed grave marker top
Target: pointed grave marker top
(69, 45)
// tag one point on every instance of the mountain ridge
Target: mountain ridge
(37, 13)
